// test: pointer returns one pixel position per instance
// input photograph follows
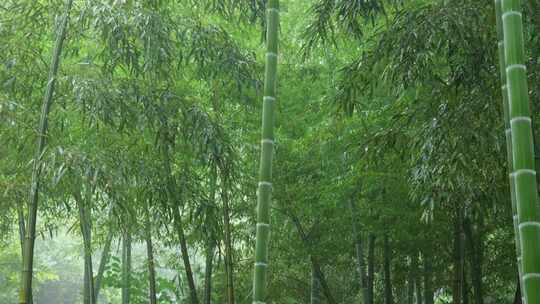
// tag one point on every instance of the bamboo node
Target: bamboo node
(531, 276)
(528, 224)
(267, 184)
(516, 66)
(511, 13)
(267, 141)
(524, 171)
(269, 98)
(521, 118)
(261, 264)
(271, 54)
(263, 225)
(273, 10)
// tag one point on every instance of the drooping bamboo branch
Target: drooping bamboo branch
(267, 145)
(25, 294)
(524, 173)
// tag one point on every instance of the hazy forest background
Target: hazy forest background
(390, 175)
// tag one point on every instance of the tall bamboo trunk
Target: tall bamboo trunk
(359, 251)
(475, 245)
(524, 173)
(229, 269)
(371, 268)
(411, 280)
(86, 231)
(418, 284)
(173, 202)
(428, 279)
(105, 255)
(126, 266)
(508, 132)
(185, 256)
(209, 265)
(458, 259)
(25, 294)
(20, 215)
(267, 147)
(315, 295)
(150, 254)
(388, 297)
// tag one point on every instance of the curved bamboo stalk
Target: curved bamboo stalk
(524, 174)
(25, 295)
(267, 145)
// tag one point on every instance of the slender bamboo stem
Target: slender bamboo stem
(25, 294)
(105, 255)
(267, 144)
(507, 128)
(150, 254)
(526, 192)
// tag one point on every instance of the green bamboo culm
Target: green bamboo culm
(25, 293)
(524, 174)
(267, 147)
(508, 132)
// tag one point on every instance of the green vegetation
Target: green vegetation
(159, 151)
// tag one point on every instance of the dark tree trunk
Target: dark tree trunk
(388, 297)
(315, 297)
(86, 230)
(126, 266)
(361, 266)
(105, 255)
(458, 259)
(476, 248)
(371, 268)
(413, 269)
(314, 262)
(185, 256)
(428, 280)
(150, 254)
(229, 269)
(209, 264)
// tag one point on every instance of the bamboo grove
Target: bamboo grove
(239, 151)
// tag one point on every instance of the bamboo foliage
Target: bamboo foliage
(267, 145)
(524, 174)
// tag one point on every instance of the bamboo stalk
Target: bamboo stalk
(267, 145)
(508, 131)
(25, 294)
(524, 174)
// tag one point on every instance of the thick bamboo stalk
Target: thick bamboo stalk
(507, 128)
(524, 173)
(267, 147)
(25, 294)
